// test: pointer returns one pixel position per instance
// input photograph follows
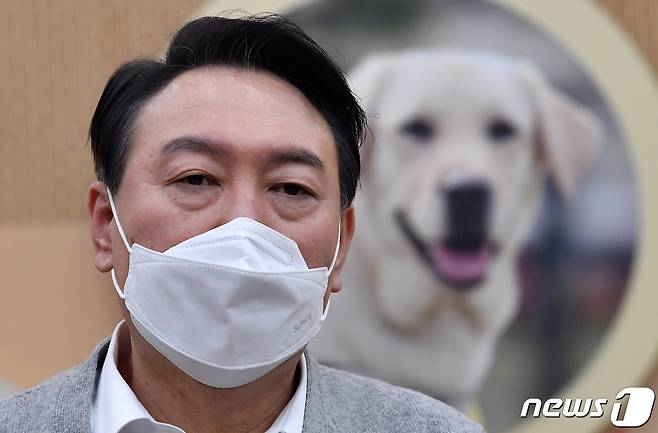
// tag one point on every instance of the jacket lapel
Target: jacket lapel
(317, 416)
(72, 409)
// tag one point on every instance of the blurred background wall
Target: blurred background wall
(56, 57)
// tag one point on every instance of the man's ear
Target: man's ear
(100, 217)
(347, 224)
(569, 135)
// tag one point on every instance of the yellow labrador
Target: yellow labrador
(453, 177)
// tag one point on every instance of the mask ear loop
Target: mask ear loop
(333, 261)
(123, 238)
(116, 219)
(331, 268)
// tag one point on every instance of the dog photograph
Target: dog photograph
(488, 248)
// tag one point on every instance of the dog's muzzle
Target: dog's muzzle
(461, 258)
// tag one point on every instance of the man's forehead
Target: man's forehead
(223, 86)
(229, 105)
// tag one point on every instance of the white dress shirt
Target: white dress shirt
(116, 409)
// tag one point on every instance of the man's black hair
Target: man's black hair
(268, 43)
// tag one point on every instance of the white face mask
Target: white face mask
(226, 306)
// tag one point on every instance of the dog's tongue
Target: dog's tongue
(460, 266)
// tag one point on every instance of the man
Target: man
(222, 210)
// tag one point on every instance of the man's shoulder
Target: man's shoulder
(64, 399)
(384, 407)
(35, 405)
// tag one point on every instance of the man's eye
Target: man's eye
(293, 189)
(197, 180)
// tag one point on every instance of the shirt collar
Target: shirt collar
(291, 419)
(116, 406)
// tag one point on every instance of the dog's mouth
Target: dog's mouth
(461, 260)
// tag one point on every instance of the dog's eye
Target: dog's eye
(500, 130)
(418, 129)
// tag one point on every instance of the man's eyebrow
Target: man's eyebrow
(293, 155)
(193, 145)
(296, 156)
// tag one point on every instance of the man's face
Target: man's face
(220, 143)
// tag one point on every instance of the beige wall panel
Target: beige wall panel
(55, 305)
(640, 19)
(56, 57)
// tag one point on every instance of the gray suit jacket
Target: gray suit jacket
(336, 401)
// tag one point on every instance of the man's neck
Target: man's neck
(172, 397)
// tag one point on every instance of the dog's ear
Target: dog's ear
(367, 79)
(569, 136)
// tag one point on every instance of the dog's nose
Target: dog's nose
(467, 210)
(467, 193)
